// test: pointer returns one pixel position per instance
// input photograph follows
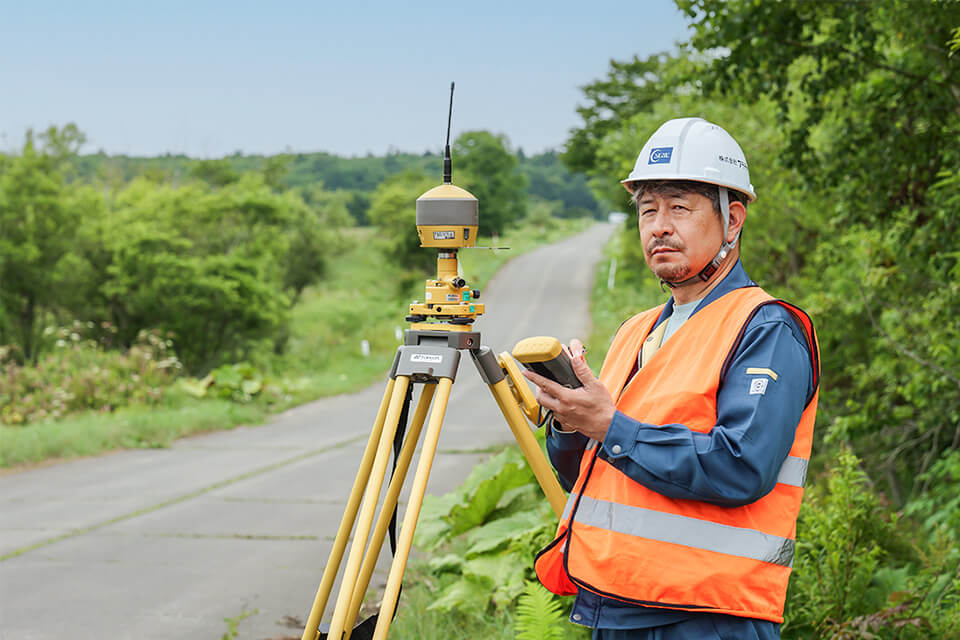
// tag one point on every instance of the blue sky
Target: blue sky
(211, 78)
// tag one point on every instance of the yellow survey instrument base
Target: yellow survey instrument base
(440, 326)
(463, 310)
(446, 296)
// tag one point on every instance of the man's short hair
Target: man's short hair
(662, 187)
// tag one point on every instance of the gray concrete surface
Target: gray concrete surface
(167, 543)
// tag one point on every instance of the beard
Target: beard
(669, 272)
(672, 272)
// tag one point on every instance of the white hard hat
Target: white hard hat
(693, 149)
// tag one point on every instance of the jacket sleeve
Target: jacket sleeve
(737, 461)
(565, 451)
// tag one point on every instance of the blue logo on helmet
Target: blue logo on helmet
(660, 155)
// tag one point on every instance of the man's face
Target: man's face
(680, 232)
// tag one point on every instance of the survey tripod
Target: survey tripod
(429, 356)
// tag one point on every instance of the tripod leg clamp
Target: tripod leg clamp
(487, 365)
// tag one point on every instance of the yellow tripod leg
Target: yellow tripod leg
(310, 631)
(529, 445)
(417, 492)
(389, 503)
(370, 497)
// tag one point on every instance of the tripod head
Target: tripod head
(447, 219)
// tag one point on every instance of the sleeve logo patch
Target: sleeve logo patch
(758, 386)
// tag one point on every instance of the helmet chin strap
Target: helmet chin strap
(725, 248)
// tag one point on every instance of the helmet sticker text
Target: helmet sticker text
(734, 161)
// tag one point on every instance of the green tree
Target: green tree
(630, 87)
(483, 165)
(393, 211)
(868, 92)
(38, 221)
(215, 267)
(276, 170)
(549, 179)
(219, 172)
(312, 237)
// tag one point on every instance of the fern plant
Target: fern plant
(490, 527)
(539, 615)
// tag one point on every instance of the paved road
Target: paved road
(168, 543)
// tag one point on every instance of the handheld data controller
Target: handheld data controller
(545, 356)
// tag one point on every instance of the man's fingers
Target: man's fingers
(576, 348)
(548, 385)
(544, 398)
(584, 374)
(547, 401)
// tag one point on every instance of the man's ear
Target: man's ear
(738, 214)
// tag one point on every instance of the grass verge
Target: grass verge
(128, 428)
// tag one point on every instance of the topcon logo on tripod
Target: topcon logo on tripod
(660, 155)
(426, 357)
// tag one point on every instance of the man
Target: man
(686, 459)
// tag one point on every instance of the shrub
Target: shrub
(848, 580)
(393, 211)
(241, 382)
(81, 374)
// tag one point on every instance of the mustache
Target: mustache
(656, 243)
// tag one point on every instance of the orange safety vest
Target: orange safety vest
(621, 540)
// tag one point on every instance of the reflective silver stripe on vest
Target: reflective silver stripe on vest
(793, 472)
(689, 532)
(569, 507)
